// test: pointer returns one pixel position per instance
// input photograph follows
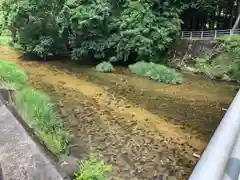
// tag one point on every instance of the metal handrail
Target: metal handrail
(208, 34)
(215, 159)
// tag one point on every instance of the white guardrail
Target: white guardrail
(221, 158)
(209, 34)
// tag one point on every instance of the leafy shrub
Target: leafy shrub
(219, 67)
(5, 40)
(202, 65)
(12, 75)
(225, 65)
(37, 109)
(91, 24)
(34, 26)
(93, 168)
(232, 46)
(105, 67)
(145, 33)
(156, 72)
(99, 29)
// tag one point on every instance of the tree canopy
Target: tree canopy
(119, 30)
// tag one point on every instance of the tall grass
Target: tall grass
(11, 75)
(157, 72)
(37, 109)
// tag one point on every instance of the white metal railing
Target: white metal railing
(209, 34)
(223, 151)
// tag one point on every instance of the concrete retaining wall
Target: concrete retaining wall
(20, 157)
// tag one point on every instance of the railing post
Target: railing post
(182, 35)
(201, 35)
(191, 35)
(215, 34)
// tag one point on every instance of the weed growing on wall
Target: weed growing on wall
(105, 67)
(37, 109)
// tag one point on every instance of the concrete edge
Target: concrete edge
(21, 155)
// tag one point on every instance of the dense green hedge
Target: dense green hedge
(157, 72)
(101, 29)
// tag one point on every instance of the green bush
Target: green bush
(99, 29)
(37, 109)
(225, 65)
(5, 40)
(146, 31)
(92, 26)
(12, 75)
(232, 46)
(93, 168)
(33, 25)
(202, 65)
(105, 67)
(219, 67)
(156, 72)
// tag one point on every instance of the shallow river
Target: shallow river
(143, 128)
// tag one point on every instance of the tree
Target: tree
(100, 29)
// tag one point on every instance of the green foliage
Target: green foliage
(99, 29)
(146, 33)
(93, 168)
(12, 76)
(221, 67)
(232, 46)
(91, 24)
(225, 65)
(202, 65)
(33, 25)
(157, 72)
(5, 40)
(37, 109)
(105, 67)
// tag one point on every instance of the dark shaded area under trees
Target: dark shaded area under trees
(218, 14)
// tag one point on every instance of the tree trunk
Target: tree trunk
(238, 12)
(231, 17)
(238, 3)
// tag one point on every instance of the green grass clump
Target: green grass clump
(221, 67)
(12, 75)
(37, 109)
(93, 168)
(156, 72)
(5, 40)
(105, 67)
(234, 37)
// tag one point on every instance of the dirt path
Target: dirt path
(139, 142)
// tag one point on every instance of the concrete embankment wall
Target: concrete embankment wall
(194, 48)
(20, 157)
